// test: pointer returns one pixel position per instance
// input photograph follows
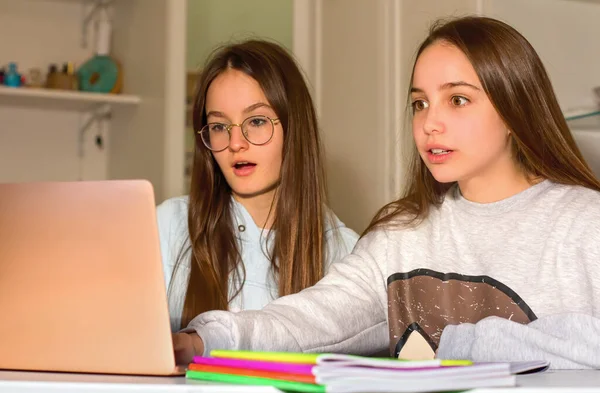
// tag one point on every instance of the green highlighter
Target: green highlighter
(242, 380)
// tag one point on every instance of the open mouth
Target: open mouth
(439, 152)
(243, 164)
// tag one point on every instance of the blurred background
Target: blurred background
(100, 89)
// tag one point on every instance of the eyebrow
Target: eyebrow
(448, 85)
(256, 106)
(216, 114)
(246, 110)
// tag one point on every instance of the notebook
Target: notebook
(81, 279)
(348, 374)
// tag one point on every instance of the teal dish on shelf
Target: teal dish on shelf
(100, 74)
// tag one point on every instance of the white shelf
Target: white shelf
(581, 113)
(61, 99)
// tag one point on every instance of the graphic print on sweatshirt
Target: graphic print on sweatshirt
(422, 302)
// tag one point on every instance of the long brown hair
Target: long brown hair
(297, 252)
(518, 86)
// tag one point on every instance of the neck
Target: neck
(259, 207)
(504, 182)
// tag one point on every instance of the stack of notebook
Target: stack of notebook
(333, 373)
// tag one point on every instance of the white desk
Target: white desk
(579, 381)
(25, 382)
(549, 381)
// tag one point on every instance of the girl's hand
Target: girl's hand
(186, 346)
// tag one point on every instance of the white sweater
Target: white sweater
(532, 257)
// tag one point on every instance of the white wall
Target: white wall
(351, 103)
(215, 22)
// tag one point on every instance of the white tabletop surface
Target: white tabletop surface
(13, 381)
(16, 381)
(553, 381)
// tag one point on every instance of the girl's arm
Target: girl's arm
(344, 312)
(568, 341)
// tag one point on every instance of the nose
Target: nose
(433, 121)
(237, 141)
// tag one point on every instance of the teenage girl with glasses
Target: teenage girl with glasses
(255, 225)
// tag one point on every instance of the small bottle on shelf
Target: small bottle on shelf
(72, 76)
(35, 78)
(12, 78)
(51, 77)
(65, 80)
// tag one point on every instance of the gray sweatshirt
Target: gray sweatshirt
(517, 279)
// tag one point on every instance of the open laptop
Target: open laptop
(81, 279)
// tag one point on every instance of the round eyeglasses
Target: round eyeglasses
(257, 130)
